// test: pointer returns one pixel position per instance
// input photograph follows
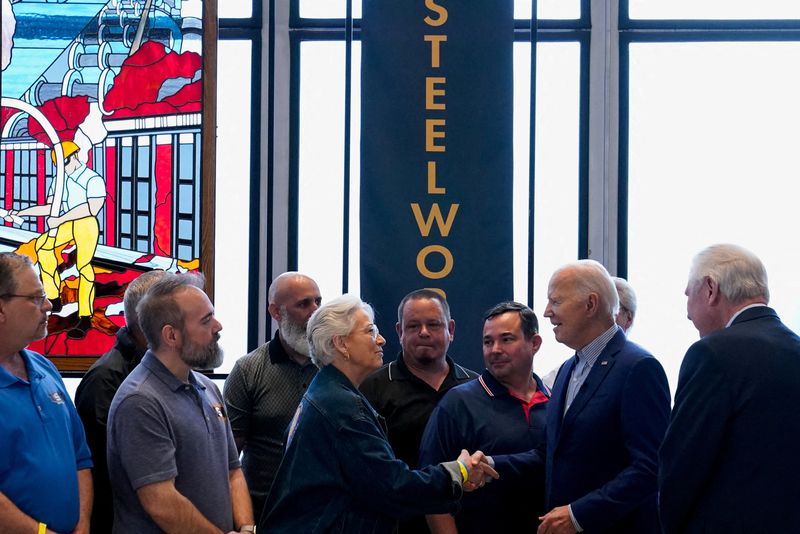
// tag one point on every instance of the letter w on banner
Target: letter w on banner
(436, 159)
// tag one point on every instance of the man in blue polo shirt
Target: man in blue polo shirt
(45, 477)
(502, 412)
(172, 459)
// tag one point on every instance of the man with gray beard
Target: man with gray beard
(172, 460)
(265, 387)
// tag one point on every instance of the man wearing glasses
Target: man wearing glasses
(45, 478)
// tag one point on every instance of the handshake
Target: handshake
(479, 469)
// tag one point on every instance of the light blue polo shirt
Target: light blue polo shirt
(42, 445)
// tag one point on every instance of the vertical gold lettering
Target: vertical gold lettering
(431, 92)
(423, 268)
(432, 188)
(435, 40)
(435, 214)
(440, 11)
(432, 134)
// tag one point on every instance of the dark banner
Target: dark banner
(436, 159)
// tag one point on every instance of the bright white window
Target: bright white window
(232, 222)
(555, 239)
(712, 158)
(714, 9)
(240, 9)
(548, 9)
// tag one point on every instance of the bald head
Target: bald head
(293, 294)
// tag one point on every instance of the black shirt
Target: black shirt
(93, 399)
(261, 395)
(406, 402)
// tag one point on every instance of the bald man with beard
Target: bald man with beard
(265, 387)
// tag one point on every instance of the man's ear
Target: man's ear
(171, 336)
(592, 302)
(274, 311)
(536, 342)
(451, 327)
(711, 290)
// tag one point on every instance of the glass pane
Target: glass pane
(354, 275)
(712, 159)
(328, 9)
(232, 200)
(321, 164)
(714, 9)
(548, 9)
(239, 9)
(556, 176)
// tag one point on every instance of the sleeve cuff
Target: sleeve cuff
(574, 521)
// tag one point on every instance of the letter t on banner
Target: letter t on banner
(436, 159)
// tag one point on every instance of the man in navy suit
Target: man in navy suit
(730, 460)
(606, 417)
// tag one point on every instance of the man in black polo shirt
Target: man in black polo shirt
(265, 387)
(97, 389)
(406, 390)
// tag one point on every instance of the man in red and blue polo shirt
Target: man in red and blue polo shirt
(503, 412)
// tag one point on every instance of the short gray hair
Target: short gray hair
(738, 272)
(334, 318)
(627, 296)
(592, 277)
(134, 293)
(10, 265)
(158, 307)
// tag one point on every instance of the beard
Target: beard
(202, 357)
(293, 334)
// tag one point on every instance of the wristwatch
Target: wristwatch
(248, 528)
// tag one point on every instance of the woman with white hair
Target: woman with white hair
(339, 473)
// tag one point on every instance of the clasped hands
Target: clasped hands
(479, 469)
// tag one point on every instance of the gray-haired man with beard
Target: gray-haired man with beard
(265, 387)
(172, 459)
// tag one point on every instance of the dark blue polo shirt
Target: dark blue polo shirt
(482, 415)
(42, 445)
(161, 428)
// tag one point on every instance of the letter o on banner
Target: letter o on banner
(423, 268)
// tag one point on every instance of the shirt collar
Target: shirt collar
(398, 370)
(592, 351)
(493, 388)
(154, 365)
(7, 379)
(738, 313)
(278, 354)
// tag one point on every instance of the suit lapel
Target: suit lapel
(597, 375)
(559, 392)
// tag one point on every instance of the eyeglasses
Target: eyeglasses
(373, 331)
(36, 299)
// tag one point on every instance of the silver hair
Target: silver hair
(592, 277)
(738, 272)
(334, 318)
(134, 293)
(627, 296)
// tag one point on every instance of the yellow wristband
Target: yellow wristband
(464, 472)
(42, 528)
